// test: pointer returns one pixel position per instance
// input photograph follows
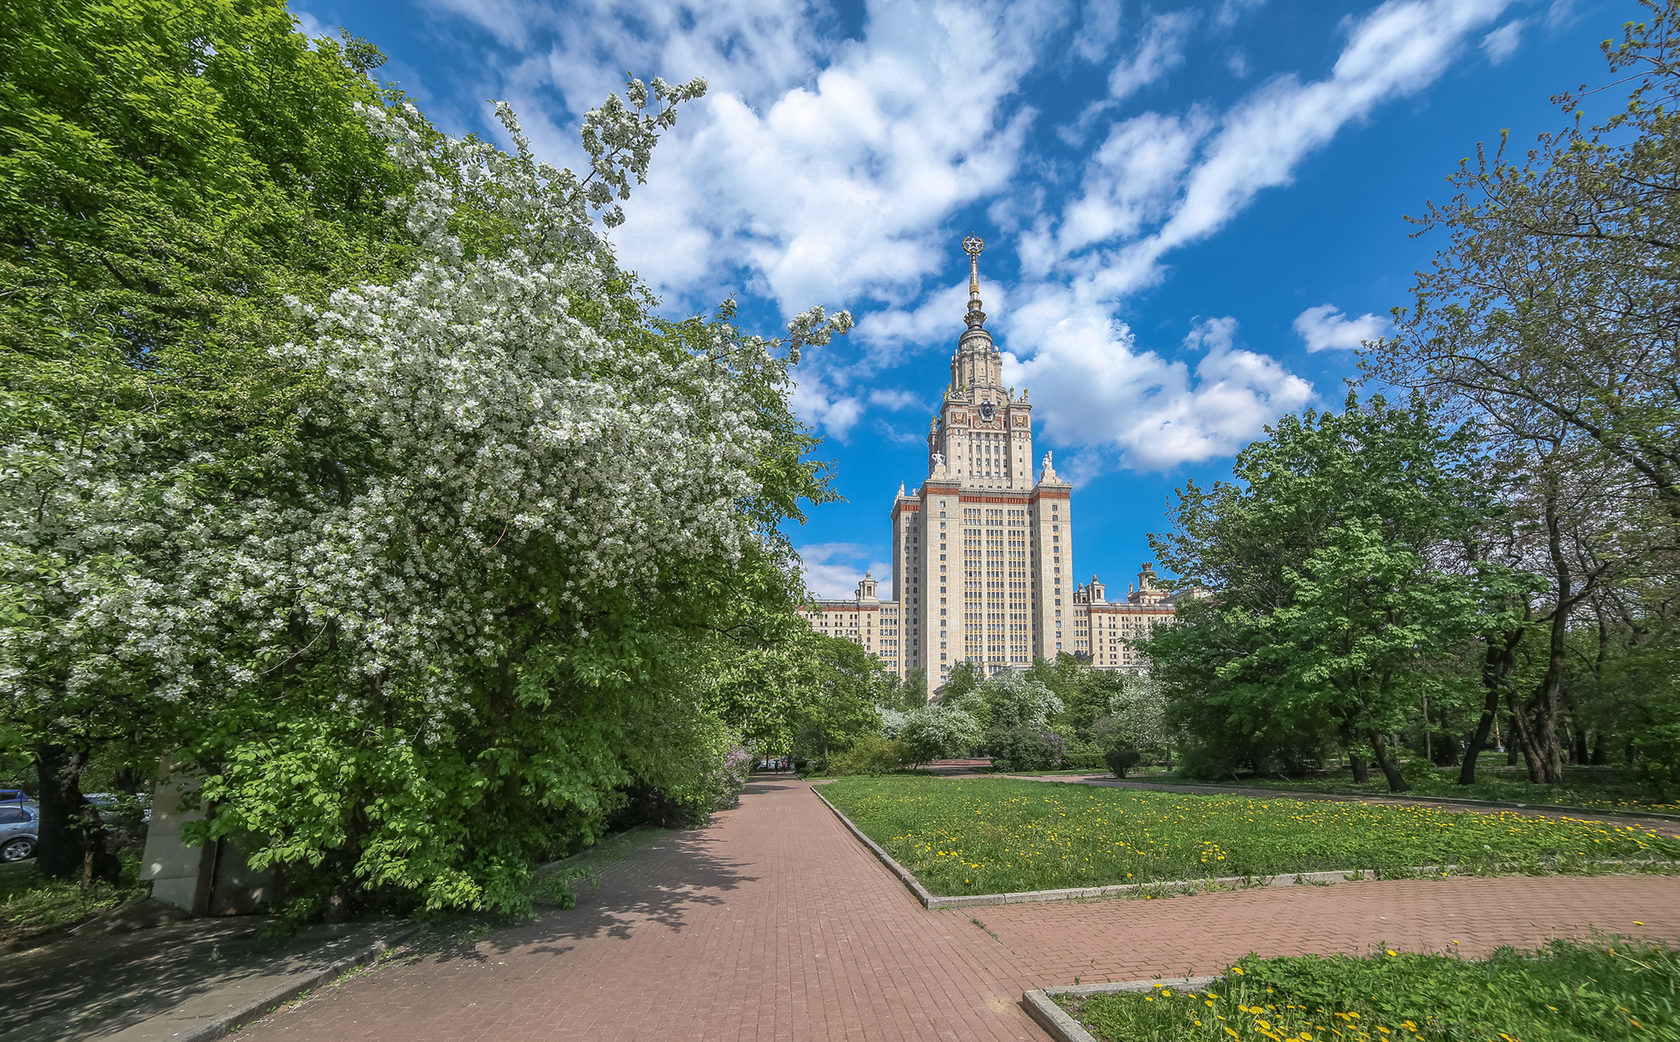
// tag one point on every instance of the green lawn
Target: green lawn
(30, 903)
(1590, 788)
(1607, 991)
(995, 835)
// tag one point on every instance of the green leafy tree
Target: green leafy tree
(1326, 601)
(1547, 316)
(330, 464)
(840, 681)
(169, 172)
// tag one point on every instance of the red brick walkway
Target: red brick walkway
(775, 924)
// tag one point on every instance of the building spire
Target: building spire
(972, 246)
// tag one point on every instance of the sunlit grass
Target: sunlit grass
(1612, 990)
(997, 835)
(31, 904)
(1589, 788)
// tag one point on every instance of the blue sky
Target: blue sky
(1192, 212)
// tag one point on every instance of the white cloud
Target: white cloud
(937, 319)
(894, 398)
(507, 20)
(887, 432)
(1159, 52)
(1210, 169)
(1100, 391)
(1396, 50)
(1097, 30)
(835, 191)
(1503, 41)
(1231, 11)
(816, 402)
(833, 569)
(1130, 180)
(1325, 328)
(311, 26)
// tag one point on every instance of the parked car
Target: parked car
(110, 804)
(20, 831)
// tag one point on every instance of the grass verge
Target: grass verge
(1610, 989)
(31, 904)
(986, 836)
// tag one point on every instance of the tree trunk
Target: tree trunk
(1522, 738)
(1541, 750)
(1379, 746)
(1361, 769)
(1479, 737)
(1600, 756)
(72, 838)
(1496, 665)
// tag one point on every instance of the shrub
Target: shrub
(870, 756)
(929, 732)
(1084, 756)
(1027, 748)
(1122, 760)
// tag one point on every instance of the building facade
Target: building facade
(983, 549)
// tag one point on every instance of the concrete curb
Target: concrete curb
(223, 1024)
(904, 875)
(1041, 1005)
(935, 901)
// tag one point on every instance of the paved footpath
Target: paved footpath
(774, 923)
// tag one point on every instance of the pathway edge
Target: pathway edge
(1041, 1004)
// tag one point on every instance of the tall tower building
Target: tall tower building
(982, 553)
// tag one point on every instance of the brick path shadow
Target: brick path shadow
(95, 987)
(690, 874)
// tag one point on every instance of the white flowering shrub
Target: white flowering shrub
(937, 730)
(427, 634)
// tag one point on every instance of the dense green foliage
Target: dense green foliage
(171, 172)
(329, 471)
(999, 835)
(1611, 988)
(1332, 607)
(1548, 318)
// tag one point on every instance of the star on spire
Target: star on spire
(972, 246)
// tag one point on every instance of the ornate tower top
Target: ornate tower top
(972, 246)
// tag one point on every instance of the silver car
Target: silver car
(19, 831)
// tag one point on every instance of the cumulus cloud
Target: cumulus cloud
(311, 26)
(1503, 41)
(1097, 31)
(1159, 51)
(828, 163)
(1215, 164)
(1231, 11)
(835, 192)
(1130, 179)
(894, 398)
(833, 569)
(820, 404)
(1104, 392)
(1325, 328)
